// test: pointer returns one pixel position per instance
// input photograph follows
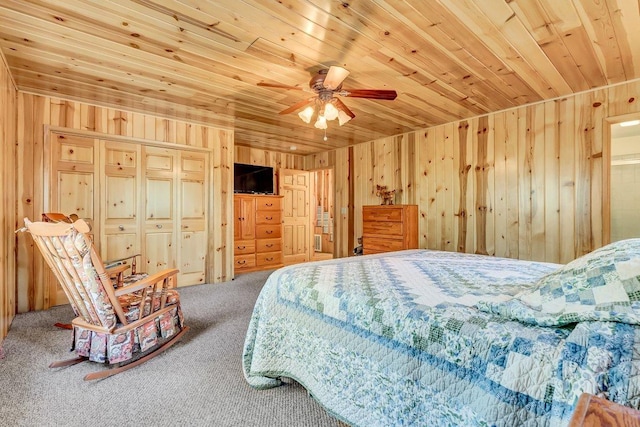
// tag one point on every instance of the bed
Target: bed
(435, 338)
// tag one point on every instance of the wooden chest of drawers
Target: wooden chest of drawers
(388, 228)
(257, 232)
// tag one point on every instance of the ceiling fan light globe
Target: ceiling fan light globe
(343, 117)
(321, 123)
(330, 112)
(306, 114)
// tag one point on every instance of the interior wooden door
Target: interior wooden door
(193, 199)
(296, 220)
(73, 180)
(322, 213)
(119, 200)
(160, 167)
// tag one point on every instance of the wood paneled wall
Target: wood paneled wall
(524, 183)
(37, 112)
(273, 159)
(8, 172)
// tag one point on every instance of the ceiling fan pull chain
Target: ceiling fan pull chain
(325, 135)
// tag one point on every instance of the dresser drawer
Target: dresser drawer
(372, 245)
(382, 213)
(383, 228)
(268, 245)
(268, 217)
(268, 258)
(267, 231)
(243, 247)
(244, 261)
(268, 203)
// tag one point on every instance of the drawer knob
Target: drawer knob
(269, 218)
(242, 262)
(269, 231)
(268, 204)
(121, 227)
(269, 245)
(269, 259)
(158, 225)
(241, 247)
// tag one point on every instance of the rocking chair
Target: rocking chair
(121, 326)
(114, 268)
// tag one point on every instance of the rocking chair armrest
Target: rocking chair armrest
(147, 281)
(116, 269)
(115, 262)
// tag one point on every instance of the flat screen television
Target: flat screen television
(252, 179)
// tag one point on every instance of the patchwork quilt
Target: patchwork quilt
(399, 339)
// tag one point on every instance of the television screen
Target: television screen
(252, 179)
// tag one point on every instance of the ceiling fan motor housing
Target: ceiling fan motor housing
(317, 84)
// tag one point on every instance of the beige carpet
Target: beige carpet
(197, 382)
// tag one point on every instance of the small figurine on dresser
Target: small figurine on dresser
(386, 195)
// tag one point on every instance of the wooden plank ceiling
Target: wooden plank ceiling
(201, 60)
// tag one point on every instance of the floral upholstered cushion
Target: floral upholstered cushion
(602, 285)
(81, 271)
(131, 303)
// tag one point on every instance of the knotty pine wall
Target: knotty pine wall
(525, 183)
(36, 112)
(276, 160)
(8, 172)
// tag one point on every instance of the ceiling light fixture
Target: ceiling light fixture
(324, 110)
(306, 114)
(630, 123)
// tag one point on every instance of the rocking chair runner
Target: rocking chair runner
(123, 326)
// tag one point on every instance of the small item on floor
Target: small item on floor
(358, 249)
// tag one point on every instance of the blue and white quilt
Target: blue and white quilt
(398, 339)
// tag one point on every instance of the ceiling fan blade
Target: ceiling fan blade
(341, 106)
(297, 106)
(389, 95)
(278, 86)
(335, 77)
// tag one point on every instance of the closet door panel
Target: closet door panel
(193, 220)
(73, 189)
(159, 251)
(193, 255)
(193, 200)
(121, 245)
(75, 193)
(120, 196)
(160, 170)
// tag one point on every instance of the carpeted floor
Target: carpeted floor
(197, 382)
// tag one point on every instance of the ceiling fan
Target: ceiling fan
(325, 105)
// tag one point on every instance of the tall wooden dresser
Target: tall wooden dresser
(257, 232)
(387, 228)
